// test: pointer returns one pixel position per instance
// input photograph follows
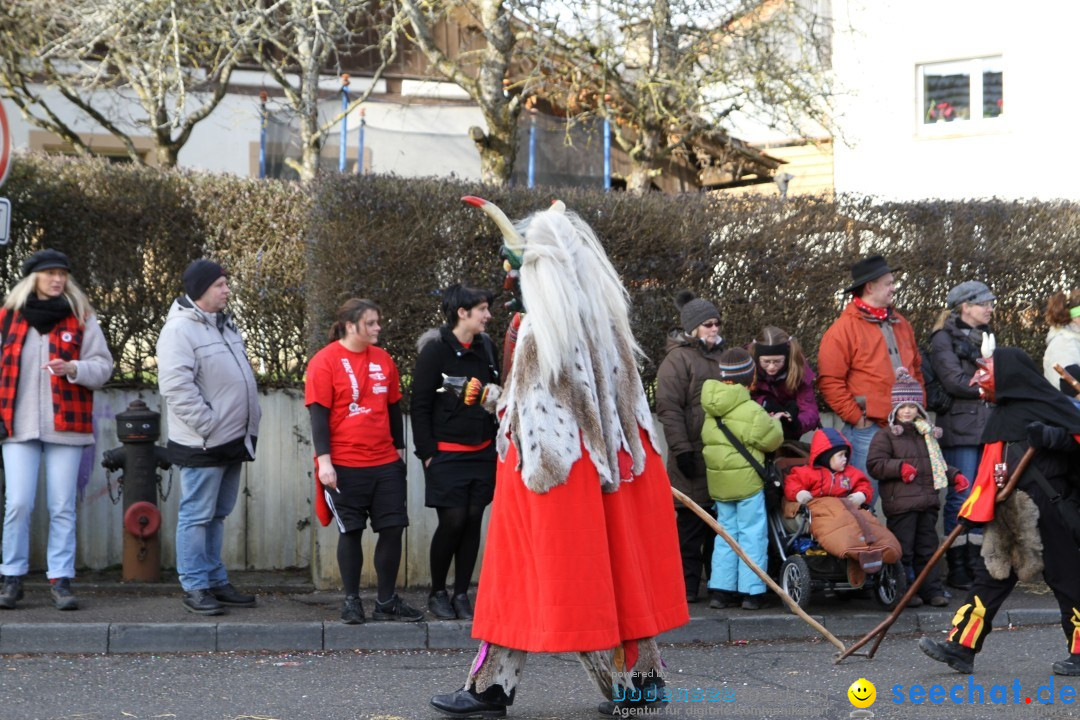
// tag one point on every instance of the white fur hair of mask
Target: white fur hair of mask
(553, 298)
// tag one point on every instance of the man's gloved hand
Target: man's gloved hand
(687, 464)
(908, 472)
(1047, 437)
(803, 497)
(857, 499)
(960, 483)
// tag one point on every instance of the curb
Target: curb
(119, 638)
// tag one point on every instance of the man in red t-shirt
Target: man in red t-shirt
(352, 392)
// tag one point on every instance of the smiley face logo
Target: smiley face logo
(862, 693)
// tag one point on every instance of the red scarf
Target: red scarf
(881, 314)
(72, 404)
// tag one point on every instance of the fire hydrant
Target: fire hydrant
(138, 429)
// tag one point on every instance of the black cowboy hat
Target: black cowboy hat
(868, 269)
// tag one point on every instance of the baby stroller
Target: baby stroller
(805, 567)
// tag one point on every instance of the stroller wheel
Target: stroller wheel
(890, 585)
(795, 580)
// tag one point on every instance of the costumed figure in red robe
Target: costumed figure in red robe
(1037, 529)
(582, 553)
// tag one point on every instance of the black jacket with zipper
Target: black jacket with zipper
(443, 416)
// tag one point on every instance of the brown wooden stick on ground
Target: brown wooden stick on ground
(885, 624)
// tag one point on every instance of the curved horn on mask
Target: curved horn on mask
(988, 345)
(558, 206)
(514, 241)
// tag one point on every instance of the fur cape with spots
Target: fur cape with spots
(599, 402)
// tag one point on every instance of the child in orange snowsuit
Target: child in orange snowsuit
(825, 486)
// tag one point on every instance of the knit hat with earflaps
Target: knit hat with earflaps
(906, 390)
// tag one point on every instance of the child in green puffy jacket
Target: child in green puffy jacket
(733, 482)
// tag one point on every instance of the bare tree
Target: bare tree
(170, 58)
(666, 73)
(484, 73)
(297, 41)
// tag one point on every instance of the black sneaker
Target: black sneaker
(438, 604)
(396, 609)
(201, 602)
(646, 696)
(11, 592)
(958, 657)
(352, 612)
(62, 596)
(1068, 666)
(228, 595)
(722, 599)
(462, 606)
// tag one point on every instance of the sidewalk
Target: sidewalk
(117, 617)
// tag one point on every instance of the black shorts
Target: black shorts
(377, 492)
(460, 479)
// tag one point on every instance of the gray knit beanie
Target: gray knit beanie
(693, 310)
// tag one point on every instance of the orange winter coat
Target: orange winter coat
(854, 360)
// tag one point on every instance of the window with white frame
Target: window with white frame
(964, 92)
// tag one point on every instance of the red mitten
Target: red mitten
(908, 472)
(960, 483)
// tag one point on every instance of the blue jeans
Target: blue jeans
(22, 460)
(860, 448)
(964, 458)
(207, 496)
(745, 521)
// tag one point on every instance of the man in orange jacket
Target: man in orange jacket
(859, 355)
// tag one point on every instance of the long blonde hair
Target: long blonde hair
(796, 360)
(80, 304)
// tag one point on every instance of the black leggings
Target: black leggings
(350, 557)
(457, 538)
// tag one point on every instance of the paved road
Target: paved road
(762, 680)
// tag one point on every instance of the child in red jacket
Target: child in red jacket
(846, 532)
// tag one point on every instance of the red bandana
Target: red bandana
(879, 313)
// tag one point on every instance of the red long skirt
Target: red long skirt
(576, 569)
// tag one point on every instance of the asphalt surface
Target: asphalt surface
(773, 680)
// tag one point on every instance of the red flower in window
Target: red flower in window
(941, 111)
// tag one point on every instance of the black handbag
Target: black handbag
(769, 473)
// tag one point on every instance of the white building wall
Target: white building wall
(1033, 150)
(410, 139)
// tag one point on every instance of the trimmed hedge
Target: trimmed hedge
(296, 253)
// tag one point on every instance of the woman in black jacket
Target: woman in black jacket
(954, 349)
(454, 437)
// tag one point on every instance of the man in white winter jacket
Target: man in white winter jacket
(213, 421)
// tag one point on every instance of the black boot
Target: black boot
(958, 577)
(465, 703)
(1068, 666)
(975, 562)
(958, 657)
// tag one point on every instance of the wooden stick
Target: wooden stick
(1068, 378)
(719, 530)
(885, 624)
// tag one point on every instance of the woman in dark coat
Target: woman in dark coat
(954, 349)
(453, 434)
(689, 360)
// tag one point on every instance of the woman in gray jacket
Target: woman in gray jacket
(53, 357)
(954, 348)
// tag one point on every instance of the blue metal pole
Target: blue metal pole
(607, 154)
(343, 150)
(360, 150)
(532, 149)
(262, 136)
